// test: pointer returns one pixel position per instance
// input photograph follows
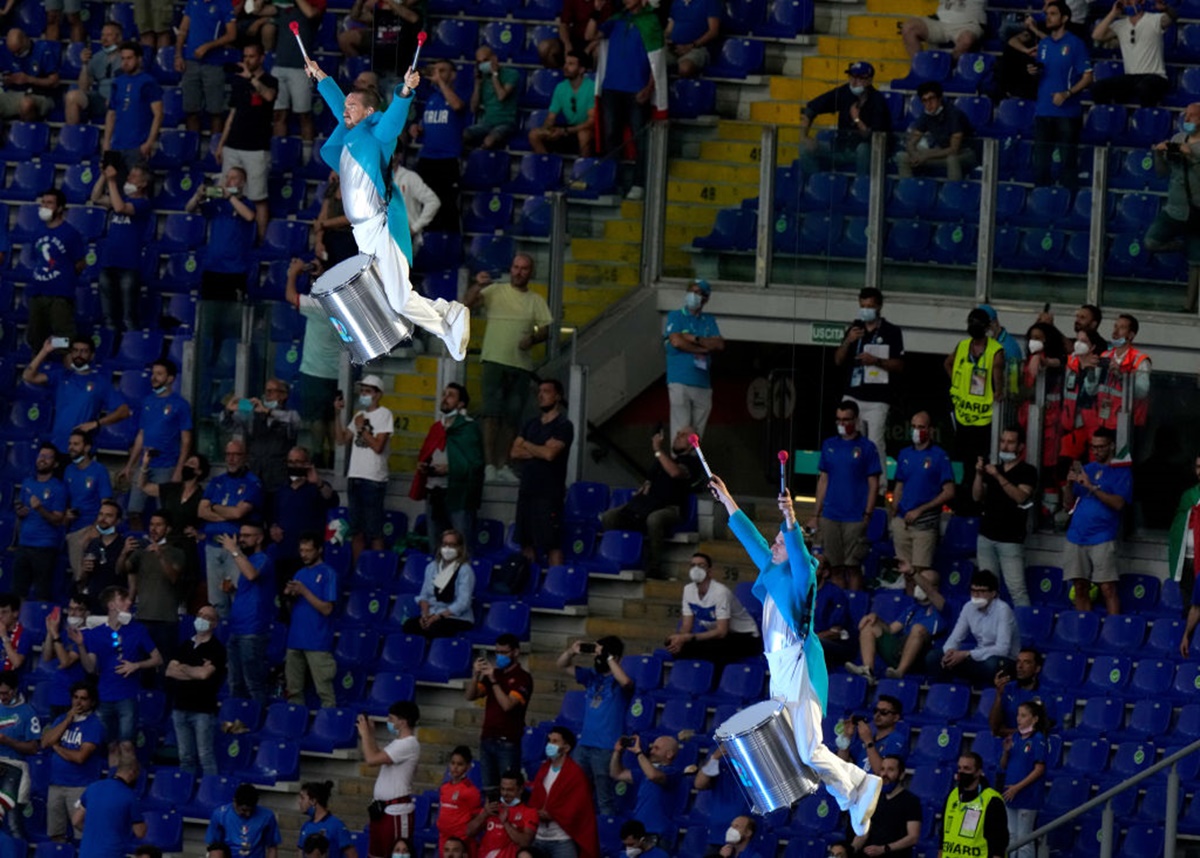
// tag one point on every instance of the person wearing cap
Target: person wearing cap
(369, 429)
(937, 137)
(999, 333)
(691, 338)
(958, 23)
(861, 110)
(976, 370)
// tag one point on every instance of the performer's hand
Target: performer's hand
(313, 70)
(412, 79)
(721, 492)
(788, 510)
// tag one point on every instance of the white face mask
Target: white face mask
(867, 314)
(697, 574)
(449, 552)
(129, 188)
(45, 215)
(365, 400)
(75, 622)
(1005, 456)
(124, 618)
(633, 851)
(1036, 347)
(732, 835)
(919, 593)
(1081, 348)
(201, 625)
(858, 90)
(842, 430)
(979, 602)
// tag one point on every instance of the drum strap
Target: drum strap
(807, 614)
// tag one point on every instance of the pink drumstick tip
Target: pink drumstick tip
(783, 456)
(294, 26)
(694, 440)
(421, 36)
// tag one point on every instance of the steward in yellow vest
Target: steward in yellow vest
(974, 822)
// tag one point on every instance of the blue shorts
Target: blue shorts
(119, 718)
(366, 507)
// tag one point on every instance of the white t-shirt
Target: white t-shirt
(365, 463)
(718, 603)
(958, 12)
(1143, 53)
(396, 780)
(551, 830)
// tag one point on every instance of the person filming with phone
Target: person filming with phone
(1177, 225)
(505, 688)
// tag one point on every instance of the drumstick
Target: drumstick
(294, 26)
(783, 457)
(694, 440)
(421, 37)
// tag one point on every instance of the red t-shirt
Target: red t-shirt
(495, 842)
(457, 805)
(498, 724)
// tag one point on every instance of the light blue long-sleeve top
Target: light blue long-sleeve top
(464, 591)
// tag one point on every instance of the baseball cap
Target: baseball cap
(861, 69)
(705, 288)
(990, 310)
(371, 381)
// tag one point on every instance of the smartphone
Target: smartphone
(627, 741)
(1046, 307)
(214, 193)
(111, 158)
(60, 342)
(587, 648)
(493, 796)
(658, 429)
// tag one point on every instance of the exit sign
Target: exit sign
(827, 333)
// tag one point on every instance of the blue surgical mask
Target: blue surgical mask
(78, 460)
(365, 400)
(551, 750)
(1189, 127)
(106, 531)
(485, 67)
(1117, 343)
(109, 49)
(1131, 10)
(503, 661)
(391, 728)
(201, 625)
(159, 391)
(868, 314)
(510, 802)
(270, 404)
(692, 301)
(857, 90)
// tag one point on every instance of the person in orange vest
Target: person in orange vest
(1125, 365)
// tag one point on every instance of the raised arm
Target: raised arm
(396, 115)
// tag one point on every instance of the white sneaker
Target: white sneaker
(860, 670)
(863, 804)
(458, 320)
(505, 474)
(489, 473)
(637, 192)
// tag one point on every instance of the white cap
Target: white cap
(372, 381)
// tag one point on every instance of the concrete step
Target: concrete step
(712, 193)
(710, 170)
(743, 152)
(851, 48)
(881, 27)
(592, 274)
(902, 7)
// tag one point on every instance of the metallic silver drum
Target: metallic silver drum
(352, 295)
(760, 744)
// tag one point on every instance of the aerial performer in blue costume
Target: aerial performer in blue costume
(359, 150)
(786, 586)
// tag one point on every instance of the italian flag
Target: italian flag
(651, 31)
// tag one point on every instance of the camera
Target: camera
(111, 158)
(858, 323)
(214, 193)
(627, 741)
(587, 648)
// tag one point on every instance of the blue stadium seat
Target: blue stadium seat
(402, 653)
(1137, 172)
(618, 550)
(285, 239)
(926, 66)
(172, 100)
(333, 729)
(386, 690)
(847, 693)
(1186, 89)
(364, 609)
(957, 201)
(27, 224)
(824, 192)
(1130, 759)
(29, 179)
(177, 189)
(175, 148)
(645, 671)
(1127, 255)
(1170, 600)
(1109, 675)
(539, 88)
(739, 58)
(592, 178)
(284, 720)
(1036, 624)
(1103, 124)
(1013, 118)
(682, 714)
(356, 647)
(77, 182)
(285, 195)
(787, 19)
(539, 10)
(742, 16)
(163, 67)
(563, 586)
(138, 349)
(485, 169)
(930, 783)
(535, 218)
(1149, 719)
(1124, 633)
(977, 109)
(585, 501)
(687, 679)
(954, 244)
(75, 144)
(908, 240)
(502, 618)
(285, 154)
(571, 710)
(438, 251)
(489, 212)
(579, 541)
(448, 659)
(972, 74)
(505, 38)
(1075, 631)
(452, 39)
(1186, 682)
(740, 684)
(171, 788)
(691, 98)
(819, 234)
(412, 574)
(249, 712)
(1044, 207)
(1139, 593)
(1063, 670)
(536, 175)
(944, 703)
(488, 539)
(1040, 249)
(277, 761)
(376, 569)
(1162, 641)
(404, 609)
(491, 253)
(911, 197)
(937, 745)
(27, 420)
(26, 140)
(1046, 583)
(1147, 126)
(1087, 757)
(164, 829)
(1133, 212)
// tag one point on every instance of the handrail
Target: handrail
(1170, 819)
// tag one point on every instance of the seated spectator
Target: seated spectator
(249, 830)
(569, 123)
(41, 508)
(301, 507)
(114, 652)
(493, 102)
(868, 741)
(450, 467)
(562, 797)
(739, 840)
(660, 503)
(653, 780)
(831, 618)
(99, 569)
(135, 111)
(938, 138)
(196, 675)
(16, 644)
(860, 109)
(1100, 491)
(90, 100)
(313, 592)
(112, 804)
(638, 841)
(60, 257)
(74, 743)
(313, 802)
(714, 625)
(60, 656)
(693, 25)
(896, 822)
(956, 23)
(30, 74)
(608, 688)
(269, 429)
(206, 28)
(1176, 227)
(1024, 761)
(990, 623)
(441, 134)
(1139, 33)
(903, 643)
(446, 592)
(370, 429)
(728, 799)
(229, 502)
(129, 228)
(459, 800)
(252, 612)
(156, 570)
(20, 737)
(505, 823)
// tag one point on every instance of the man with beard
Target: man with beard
(155, 570)
(88, 483)
(974, 821)
(99, 569)
(84, 399)
(228, 501)
(41, 508)
(896, 824)
(449, 473)
(542, 449)
(300, 507)
(1014, 689)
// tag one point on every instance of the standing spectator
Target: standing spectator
(570, 122)
(631, 75)
(59, 253)
(446, 592)
(1081, 381)
(90, 100)
(84, 399)
(1124, 365)
(861, 110)
(543, 448)
(135, 110)
(458, 798)
(1021, 686)
(230, 239)
(1066, 71)
(607, 688)
(576, 34)
(294, 95)
(1024, 761)
(228, 502)
(313, 802)
(506, 688)
(958, 23)
(846, 494)
(181, 503)
(1005, 491)
(153, 21)
(505, 823)
(1012, 349)
(99, 569)
(130, 227)
(248, 830)
(493, 101)
(661, 502)
(562, 797)
(903, 642)
(690, 339)
(41, 508)
(369, 429)
(1182, 563)
(30, 74)
(1177, 225)
(164, 435)
(313, 592)
(392, 817)
(441, 133)
(1139, 33)
(205, 30)
(113, 806)
(693, 25)
(74, 743)
(300, 507)
(421, 204)
(320, 351)
(196, 675)
(990, 623)
(1100, 490)
(653, 779)
(518, 319)
(728, 799)
(252, 612)
(973, 799)
(924, 483)
(639, 842)
(873, 352)
(60, 656)
(268, 427)
(871, 741)
(155, 568)
(54, 12)
(714, 625)
(246, 138)
(896, 823)
(938, 137)
(449, 473)
(114, 652)
(20, 737)
(977, 376)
